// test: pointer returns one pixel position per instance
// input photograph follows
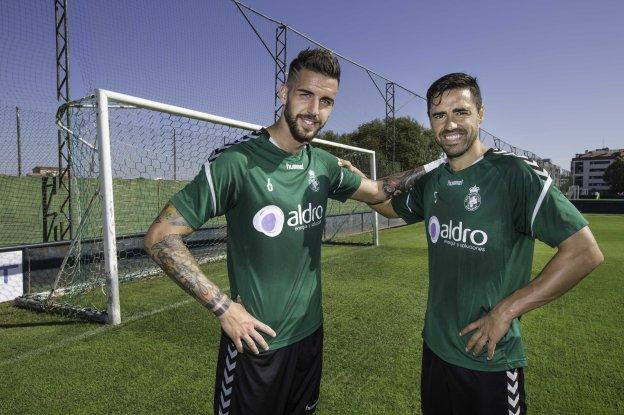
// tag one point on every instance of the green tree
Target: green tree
(415, 144)
(614, 176)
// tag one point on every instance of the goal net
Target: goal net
(128, 157)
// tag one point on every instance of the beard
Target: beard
(459, 149)
(298, 133)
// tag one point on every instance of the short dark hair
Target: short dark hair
(318, 60)
(454, 81)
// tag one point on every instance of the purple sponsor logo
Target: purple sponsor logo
(434, 229)
(455, 232)
(269, 220)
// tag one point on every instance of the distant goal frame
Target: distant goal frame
(103, 98)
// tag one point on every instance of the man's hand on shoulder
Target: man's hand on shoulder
(349, 166)
(378, 193)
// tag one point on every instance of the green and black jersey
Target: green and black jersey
(275, 204)
(481, 225)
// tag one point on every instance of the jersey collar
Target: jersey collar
(447, 165)
(283, 152)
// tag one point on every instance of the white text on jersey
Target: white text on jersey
(294, 166)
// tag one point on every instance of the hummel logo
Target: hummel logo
(294, 166)
(455, 182)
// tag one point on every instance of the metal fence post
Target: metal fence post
(19, 141)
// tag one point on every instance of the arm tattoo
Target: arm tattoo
(171, 215)
(402, 182)
(178, 263)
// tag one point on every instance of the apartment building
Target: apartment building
(588, 169)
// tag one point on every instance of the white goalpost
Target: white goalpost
(129, 156)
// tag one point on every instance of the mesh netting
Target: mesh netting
(153, 155)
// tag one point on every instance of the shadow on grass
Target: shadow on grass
(39, 323)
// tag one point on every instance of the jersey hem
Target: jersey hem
(510, 364)
(294, 339)
(570, 231)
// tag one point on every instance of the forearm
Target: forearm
(566, 269)
(375, 192)
(385, 208)
(179, 264)
(399, 183)
(396, 184)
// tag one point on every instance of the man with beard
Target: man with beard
(483, 210)
(272, 186)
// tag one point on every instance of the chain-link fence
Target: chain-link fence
(28, 162)
(231, 68)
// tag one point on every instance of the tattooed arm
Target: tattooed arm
(396, 184)
(376, 192)
(164, 244)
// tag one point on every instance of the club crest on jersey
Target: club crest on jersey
(473, 200)
(313, 181)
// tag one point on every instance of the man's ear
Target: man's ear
(282, 93)
(481, 113)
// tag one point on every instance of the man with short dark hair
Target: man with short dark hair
(483, 210)
(273, 187)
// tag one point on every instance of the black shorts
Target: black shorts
(284, 381)
(449, 389)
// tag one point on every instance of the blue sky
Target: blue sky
(550, 71)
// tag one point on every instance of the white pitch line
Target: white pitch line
(91, 333)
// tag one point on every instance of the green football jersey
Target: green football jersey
(275, 205)
(481, 226)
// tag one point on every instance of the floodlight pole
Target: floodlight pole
(280, 66)
(64, 216)
(18, 129)
(390, 124)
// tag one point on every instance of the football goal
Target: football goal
(128, 157)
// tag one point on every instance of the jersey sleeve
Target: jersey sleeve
(213, 191)
(342, 182)
(538, 208)
(410, 206)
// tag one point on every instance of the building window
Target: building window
(578, 167)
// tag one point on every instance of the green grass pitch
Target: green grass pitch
(162, 359)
